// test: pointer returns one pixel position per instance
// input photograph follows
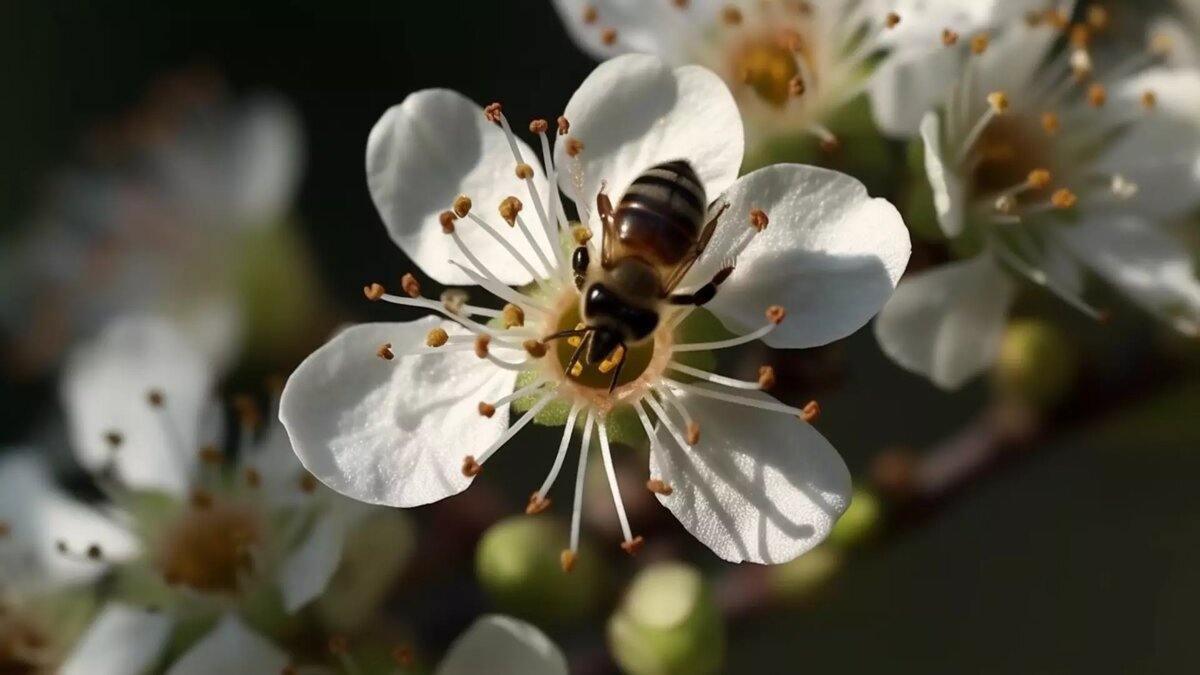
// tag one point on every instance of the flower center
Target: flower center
(209, 546)
(1008, 150)
(769, 68)
(23, 646)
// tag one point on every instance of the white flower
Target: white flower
(208, 535)
(792, 64)
(44, 602)
(1045, 161)
(742, 471)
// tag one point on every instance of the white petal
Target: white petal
(501, 645)
(945, 180)
(642, 27)
(760, 486)
(1184, 39)
(104, 389)
(38, 516)
(280, 470)
(122, 640)
(431, 148)
(908, 85)
(922, 21)
(831, 255)
(231, 649)
(1161, 152)
(1153, 269)
(308, 569)
(947, 323)
(634, 112)
(395, 432)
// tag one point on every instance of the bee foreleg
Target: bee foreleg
(705, 293)
(579, 352)
(612, 384)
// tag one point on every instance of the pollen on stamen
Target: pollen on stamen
(633, 545)
(693, 433)
(1097, 95)
(436, 337)
(811, 411)
(1081, 36)
(1097, 17)
(613, 359)
(470, 468)
(1162, 44)
(564, 125)
(1050, 123)
(454, 300)
(211, 455)
(658, 487)
(493, 112)
(581, 235)
(462, 206)
(1063, 199)
(576, 340)
(567, 560)
(1149, 100)
(537, 504)
(510, 207)
(949, 37)
(574, 147)
(1058, 18)
(512, 316)
(758, 219)
(998, 100)
(486, 409)
(979, 44)
(1039, 179)
(535, 348)
(766, 378)
(524, 171)
(374, 292)
(410, 285)
(732, 16)
(776, 314)
(385, 352)
(609, 36)
(446, 219)
(892, 20)
(481, 345)
(156, 398)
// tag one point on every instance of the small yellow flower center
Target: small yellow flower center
(769, 68)
(208, 547)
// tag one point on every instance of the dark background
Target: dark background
(1083, 559)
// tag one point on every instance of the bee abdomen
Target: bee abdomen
(662, 211)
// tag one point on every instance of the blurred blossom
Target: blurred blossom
(794, 65)
(406, 414)
(668, 623)
(1182, 29)
(1045, 163)
(45, 602)
(158, 219)
(1036, 365)
(204, 535)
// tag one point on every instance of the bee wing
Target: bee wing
(676, 276)
(609, 238)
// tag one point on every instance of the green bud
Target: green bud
(859, 521)
(519, 564)
(668, 624)
(1036, 365)
(794, 581)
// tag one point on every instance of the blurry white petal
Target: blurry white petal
(946, 182)
(1153, 269)
(760, 486)
(392, 432)
(643, 27)
(122, 640)
(634, 111)
(907, 86)
(105, 387)
(38, 516)
(501, 645)
(231, 649)
(431, 148)
(308, 568)
(831, 255)
(946, 323)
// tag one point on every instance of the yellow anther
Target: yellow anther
(758, 219)
(385, 352)
(1097, 95)
(979, 44)
(410, 285)
(998, 100)
(436, 337)
(613, 360)
(493, 112)
(446, 218)
(1050, 123)
(470, 468)
(1149, 100)
(564, 126)
(1063, 199)
(590, 14)
(1097, 17)
(462, 206)
(693, 433)
(486, 409)
(512, 316)
(609, 36)
(892, 20)
(581, 234)
(537, 504)
(524, 171)
(374, 292)
(1162, 44)
(1039, 179)
(775, 314)
(481, 345)
(949, 37)
(811, 411)
(510, 207)
(538, 126)
(766, 378)
(658, 487)
(633, 545)
(567, 560)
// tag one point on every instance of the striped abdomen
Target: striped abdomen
(660, 215)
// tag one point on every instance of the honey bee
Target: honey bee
(650, 242)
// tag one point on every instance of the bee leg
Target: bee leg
(705, 293)
(612, 384)
(565, 333)
(579, 352)
(580, 261)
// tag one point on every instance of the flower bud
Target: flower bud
(1036, 365)
(795, 581)
(668, 624)
(518, 564)
(859, 521)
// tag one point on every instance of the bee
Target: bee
(650, 242)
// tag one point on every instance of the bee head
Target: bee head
(604, 310)
(604, 341)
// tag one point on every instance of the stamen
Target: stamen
(486, 409)
(410, 285)
(766, 378)
(734, 398)
(713, 377)
(563, 444)
(608, 36)
(385, 352)
(503, 241)
(677, 404)
(892, 20)
(568, 558)
(462, 206)
(1097, 95)
(658, 487)
(564, 125)
(373, 292)
(1063, 199)
(517, 427)
(949, 37)
(997, 105)
(437, 337)
(1039, 277)
(470, 467)
(574, 147)
(775, 315)
(506, 293)
(979, 44)
(590, 14)
(527, 390)
(758, 219)
(812, 410)
(512, 316)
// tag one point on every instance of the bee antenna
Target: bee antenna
(576, 332)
